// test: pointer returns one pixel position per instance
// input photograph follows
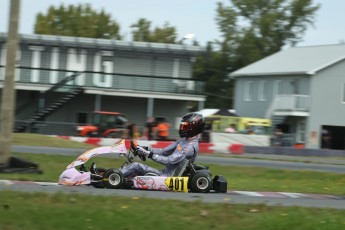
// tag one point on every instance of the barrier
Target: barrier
(93, 141)
(299, 146)
(206, 148)
(236, 149)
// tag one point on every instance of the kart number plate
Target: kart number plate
(177, 184)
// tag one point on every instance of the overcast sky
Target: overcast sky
(187, 16)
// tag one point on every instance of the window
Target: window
(248, 90)
(262, 91)
(278, 87)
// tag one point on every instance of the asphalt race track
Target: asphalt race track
(234, 197)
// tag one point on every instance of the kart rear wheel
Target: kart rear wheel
(113, 179)
(201, 183)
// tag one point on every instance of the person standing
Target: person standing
(131, 130)
(326, 139)
(150, 128)
(278, 136)
(230, 129)
(163, 130)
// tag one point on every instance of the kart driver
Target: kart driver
(191, 125)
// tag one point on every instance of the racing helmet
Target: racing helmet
(191, 125)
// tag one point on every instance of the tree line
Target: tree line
(250, 30)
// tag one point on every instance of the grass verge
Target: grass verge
(61, 211)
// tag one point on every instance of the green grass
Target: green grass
(61, 211)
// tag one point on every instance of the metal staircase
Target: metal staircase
(70, 91)
(277, 120)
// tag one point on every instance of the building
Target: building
(302, 89)
(60, 80)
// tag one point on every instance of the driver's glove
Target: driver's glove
(143, 151)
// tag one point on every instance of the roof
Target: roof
(225, 112)
(105, 112)
(297, 60)
(54, 40)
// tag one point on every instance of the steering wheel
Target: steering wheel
(134, 146)
(141, 156)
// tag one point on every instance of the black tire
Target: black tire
(201, 182)
(113, 179)
(205, 171)
(99, 184)
(127, 184)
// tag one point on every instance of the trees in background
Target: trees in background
(77, 21)
(251, 30)
(213, 68)
(83, 21)
(254, 29)
(142, 32)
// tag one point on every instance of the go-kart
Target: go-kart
(187, 176)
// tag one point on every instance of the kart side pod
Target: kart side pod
(163, 183)
(220, 184)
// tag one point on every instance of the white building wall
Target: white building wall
(327, 108)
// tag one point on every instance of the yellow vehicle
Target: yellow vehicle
(245, 125)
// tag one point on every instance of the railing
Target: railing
(64, 82)
(118, 81)
(288, 102)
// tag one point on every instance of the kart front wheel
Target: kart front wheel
(113, 179)
(201, 183)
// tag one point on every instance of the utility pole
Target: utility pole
(8, 97)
